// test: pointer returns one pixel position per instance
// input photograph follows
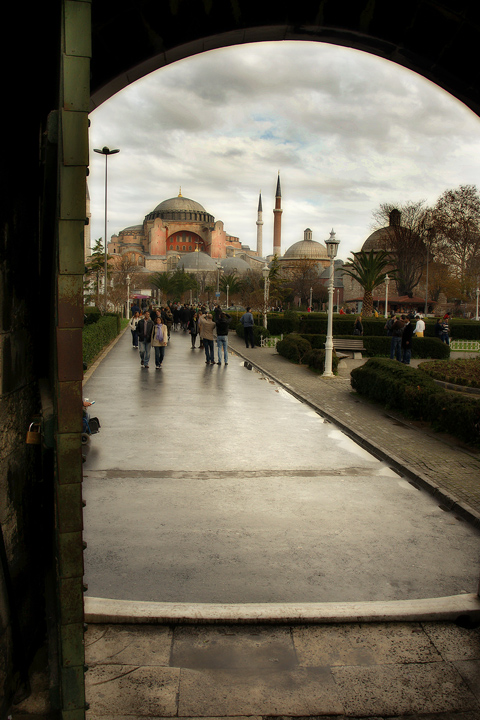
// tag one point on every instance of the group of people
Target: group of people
(151, 328)
(150, 331)
(402, 331)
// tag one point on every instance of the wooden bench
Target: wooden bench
(349, 344)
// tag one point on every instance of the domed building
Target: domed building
(176, 227)
(305, 250)
(380, 240)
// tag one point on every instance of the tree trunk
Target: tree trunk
(367, 308)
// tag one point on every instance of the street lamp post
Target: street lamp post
(106, 151)
(128, 296)
(478, 293)
(387, 283)
(426, 284)
(219, 267)
(266, 292)
(228, 288)
(311, 294)
(332, 248)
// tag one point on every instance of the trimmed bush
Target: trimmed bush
(315, 359)
(294, 348)
(380, 346)
(417, 396)
(99, 334)
(92, 315)
(457, 372)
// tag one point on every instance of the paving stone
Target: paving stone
(453, 642)
(233, 647)
(402, 689)
(127, 645)
(363, 644)
(129, 690)
(242, 692)
(470, 672)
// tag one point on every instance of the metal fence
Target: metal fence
(465, 345)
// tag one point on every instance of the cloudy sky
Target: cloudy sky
(345, 129)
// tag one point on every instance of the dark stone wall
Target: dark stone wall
(26, 281)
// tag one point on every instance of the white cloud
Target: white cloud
(347, 131)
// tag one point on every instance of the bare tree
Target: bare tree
(406, 237)
(457, 222)
(303, 275)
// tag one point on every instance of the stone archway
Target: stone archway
(126, 41)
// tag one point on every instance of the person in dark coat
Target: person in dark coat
(222, 337)
(407, 338)
(144, 330)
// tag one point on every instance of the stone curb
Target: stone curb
(453, 608)
(447, 499)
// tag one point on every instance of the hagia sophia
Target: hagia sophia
(181, 233)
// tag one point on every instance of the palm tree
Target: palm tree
(233, 282)
(368, 269)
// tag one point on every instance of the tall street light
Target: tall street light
(477, 293)
(128, 297)
(332, 248)
(387, 283)
(266, 292)
(106, 151)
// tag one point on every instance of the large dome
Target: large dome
(181, 209)
(179, 203)
(306, 249)
(197, 261)
(382, 239)
(234, 264)
(378, 240)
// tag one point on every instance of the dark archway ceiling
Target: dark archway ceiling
(436, 38)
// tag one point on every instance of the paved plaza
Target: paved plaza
(212, 484)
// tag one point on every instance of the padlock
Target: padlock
(33, 434)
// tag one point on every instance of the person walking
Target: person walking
(201, 318)
(167, 318)
(144, 329)
(407, 338)
(208, 326)
(248, 323)
(420, 327)
(192, 326)
(358, 327)
(222, 336)
(396, 341)
(133, 327)
(445, 334)
(159, 340)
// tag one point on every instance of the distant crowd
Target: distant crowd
(151, 327)
(403, 329)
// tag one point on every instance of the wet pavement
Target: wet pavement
(212, 484)
(309, 480)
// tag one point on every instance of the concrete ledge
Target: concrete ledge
(103, 610)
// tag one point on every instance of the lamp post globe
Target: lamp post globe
(332, 248)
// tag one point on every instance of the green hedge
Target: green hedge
(258, 331)
(380, 346)
(297, 349)
(316, 324)
(98, 335)
(417, 396)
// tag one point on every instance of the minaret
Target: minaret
(277, 221)
(259, 226)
